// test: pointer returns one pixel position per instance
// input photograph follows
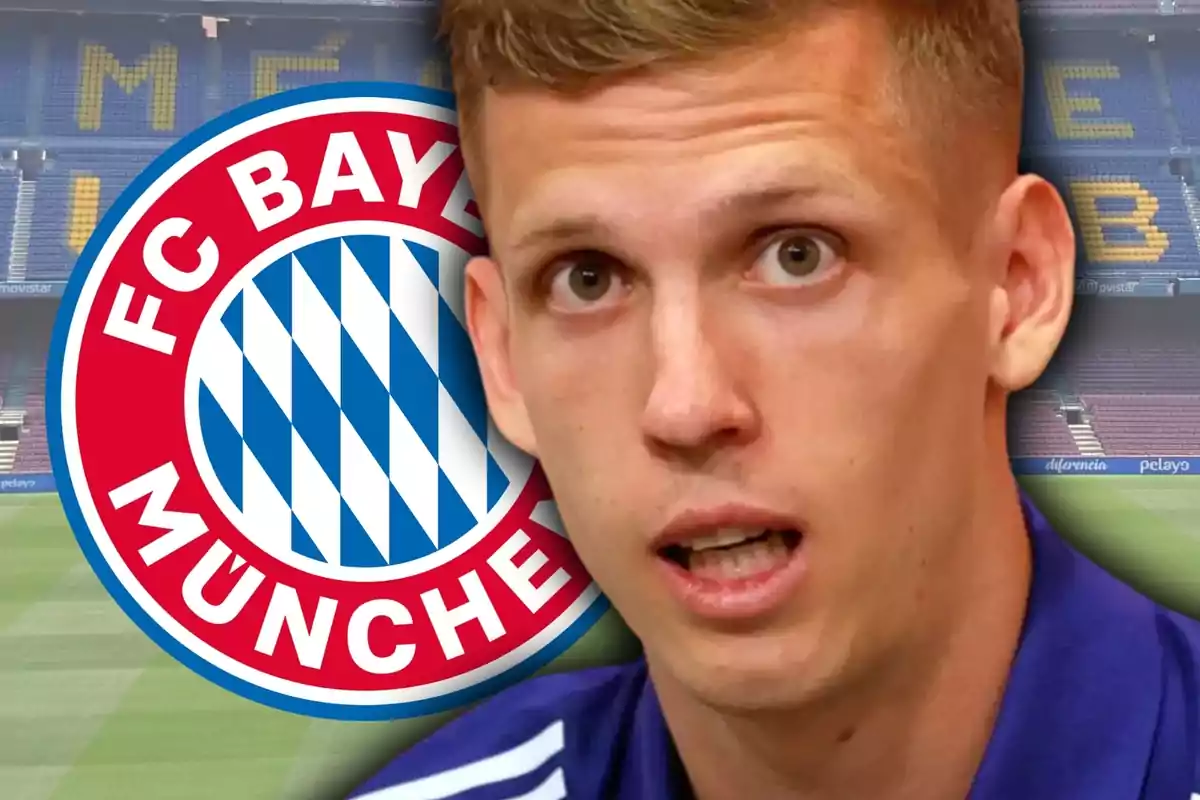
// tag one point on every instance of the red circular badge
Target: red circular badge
(268, 427)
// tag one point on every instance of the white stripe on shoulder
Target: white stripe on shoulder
(553, 788)
(520, 760)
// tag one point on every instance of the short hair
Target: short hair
(965, 55)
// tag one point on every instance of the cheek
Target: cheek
(874, 385)
(869, 427)
(577, 387)
(584, 401)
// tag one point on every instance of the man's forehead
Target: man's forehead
(822, 91)
(602, 198)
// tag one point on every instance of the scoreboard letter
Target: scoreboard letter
(160, 69)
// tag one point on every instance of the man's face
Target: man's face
(729, 302)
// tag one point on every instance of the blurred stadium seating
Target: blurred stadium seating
(1093, 89)
(1131, 346)
(101, 99)
(1129, 214)
(1133, 425)
(1037, 427)
(1111, 118)
(75, 190)
(1093, 7)
(25, 333)
(90, 100)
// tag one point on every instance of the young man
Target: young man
(763, 276)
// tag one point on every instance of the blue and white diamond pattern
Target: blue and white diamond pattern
(340, 405)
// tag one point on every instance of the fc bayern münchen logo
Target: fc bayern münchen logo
(268, 426)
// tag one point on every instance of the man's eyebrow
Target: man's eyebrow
(561, 230)
(750, 201)
(565, 229)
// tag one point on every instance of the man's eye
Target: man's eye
(795, 259)
(584, 282)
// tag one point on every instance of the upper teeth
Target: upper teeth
(724, 538)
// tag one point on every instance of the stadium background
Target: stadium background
(93, 89)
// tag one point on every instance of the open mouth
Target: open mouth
(734, 553)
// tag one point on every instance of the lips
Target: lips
(732, 560)
(734, 553)
(725, 526)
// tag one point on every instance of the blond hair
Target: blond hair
(964, 58)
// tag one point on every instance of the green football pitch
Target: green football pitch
(91, 708)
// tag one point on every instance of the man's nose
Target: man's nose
(695, 403)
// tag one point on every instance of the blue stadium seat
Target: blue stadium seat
(1129, 213)
(72, 196)
(143, 78)
(1092, 90)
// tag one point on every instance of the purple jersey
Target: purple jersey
(1101, 704)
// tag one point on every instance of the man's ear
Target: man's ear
(488, 325)
(1035, 284)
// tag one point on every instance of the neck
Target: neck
(914, 729)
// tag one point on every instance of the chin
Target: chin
(739, 674)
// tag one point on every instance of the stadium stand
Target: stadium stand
(1134, 425)
(299, 53)
(1131, 346)
(77, 188)
(34, 453)
(90, 101)
(146, 81)
(1093, 90)
(1129, 214)
(9, 179)
(1093, 7)
(1182, 70)
(1110, 116)
(1119, 356)
(1129, 368)
(25, 334)
(15, 63)
(1037, 426)
(1108, 113)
